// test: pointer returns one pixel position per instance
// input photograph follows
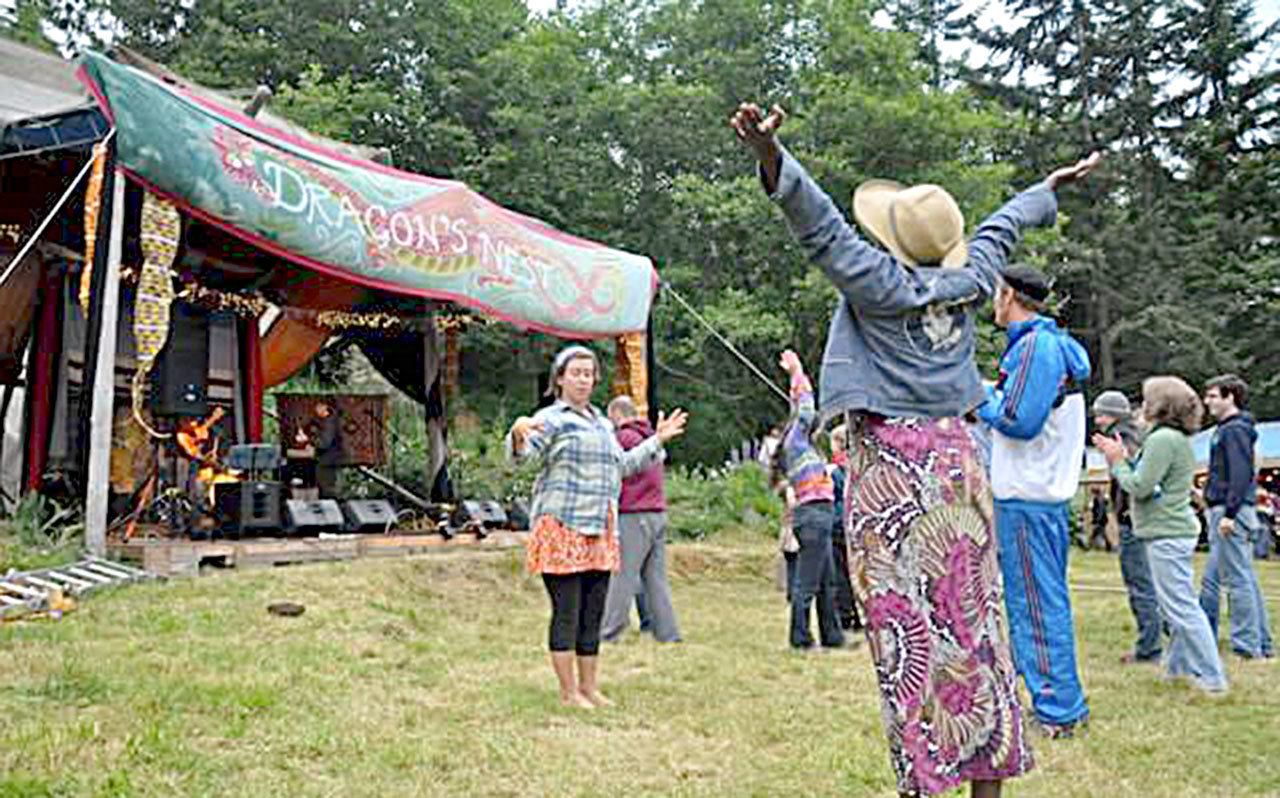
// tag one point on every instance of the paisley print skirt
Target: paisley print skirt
(922, 559)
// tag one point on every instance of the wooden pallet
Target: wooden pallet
(170, 557)
(29, 592)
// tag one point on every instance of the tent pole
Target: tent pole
(651, 369)
(251, 365)
(104, 372)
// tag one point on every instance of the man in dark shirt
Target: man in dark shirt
(328, 443)
(1231, 494)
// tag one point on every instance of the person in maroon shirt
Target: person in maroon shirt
(642, 527)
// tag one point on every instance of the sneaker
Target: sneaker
(1061, 731)
(1215, 692)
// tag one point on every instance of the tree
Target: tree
(1105, 73)
(24, 22)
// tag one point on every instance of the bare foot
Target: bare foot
(596, 699)
(577, 700)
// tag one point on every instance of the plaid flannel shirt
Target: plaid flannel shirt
(582, 466)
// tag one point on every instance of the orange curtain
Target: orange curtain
(630, 373)
(287, 347)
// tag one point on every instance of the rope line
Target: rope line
(727, 345)
(26, 249)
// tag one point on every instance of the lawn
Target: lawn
(428, 677)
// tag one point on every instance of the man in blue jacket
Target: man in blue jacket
(1036, 412)
(1231, 496)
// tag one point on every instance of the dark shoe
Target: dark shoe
(1133, 659)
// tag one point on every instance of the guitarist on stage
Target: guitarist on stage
(198, 443)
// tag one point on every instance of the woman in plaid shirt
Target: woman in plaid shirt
(574, 541)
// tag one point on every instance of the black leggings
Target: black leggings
(577, 605)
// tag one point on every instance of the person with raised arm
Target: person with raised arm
(899, 366)
(573, 543)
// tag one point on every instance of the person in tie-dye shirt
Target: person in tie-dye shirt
(806, 473)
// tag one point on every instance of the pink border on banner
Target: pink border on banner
(82, 75)
(536, 225)
(329, 270)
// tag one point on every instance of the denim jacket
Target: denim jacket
(901, 341)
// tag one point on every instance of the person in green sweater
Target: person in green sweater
(1159, 482)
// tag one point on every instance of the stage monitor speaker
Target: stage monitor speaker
(308, 518)
(518, 514)
(251, 506)
(487, 513)
(369, 515)
(182, 370)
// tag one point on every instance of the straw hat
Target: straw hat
(919, 224)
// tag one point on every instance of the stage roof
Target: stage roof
(321, 206)
(35, 83)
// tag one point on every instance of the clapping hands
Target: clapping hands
(1111, 448)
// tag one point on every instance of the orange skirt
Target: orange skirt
(554, 548)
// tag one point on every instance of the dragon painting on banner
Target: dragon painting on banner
(364, 222)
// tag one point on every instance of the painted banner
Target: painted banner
(364, 222)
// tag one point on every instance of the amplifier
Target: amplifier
(247, 506)
(487, 513)
(308, 518)
(369, 515)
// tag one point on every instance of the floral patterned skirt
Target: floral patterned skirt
(554, 548)
(922, 559)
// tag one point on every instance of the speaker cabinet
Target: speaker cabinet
(369, 515)
(252, 507)
(488, 514)
(308, 518)
(182, 370)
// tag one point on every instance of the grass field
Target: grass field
(428, 677)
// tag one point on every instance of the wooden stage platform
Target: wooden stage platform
(178, 557)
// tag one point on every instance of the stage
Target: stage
(182, 557)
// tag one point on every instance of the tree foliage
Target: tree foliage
(607, 119)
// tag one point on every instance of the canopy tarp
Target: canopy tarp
(364, 222)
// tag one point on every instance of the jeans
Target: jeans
(1231, 563)
(644, 566)
(1142, 594)
(791, 558)
(642, 610)
(1033, 541)
(846, 605)
(1193, 650)
(814, 577)
(1263, 540)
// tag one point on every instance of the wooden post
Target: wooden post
(104, 378)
